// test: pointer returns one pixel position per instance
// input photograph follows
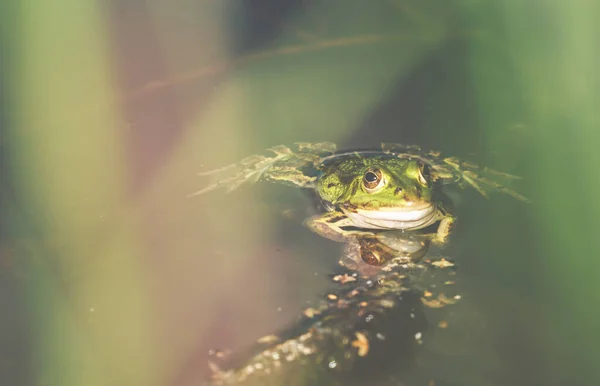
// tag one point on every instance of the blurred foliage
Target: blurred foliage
(541, 64)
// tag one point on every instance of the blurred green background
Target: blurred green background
(110, 276)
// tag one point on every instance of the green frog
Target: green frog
(396, 187)
(366, 191)
(386, 206)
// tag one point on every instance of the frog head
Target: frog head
(379, 192)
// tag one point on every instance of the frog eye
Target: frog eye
(424, 176)
(373, 180)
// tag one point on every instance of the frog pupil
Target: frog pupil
(424, 174)
(370, 177)
(425, 171)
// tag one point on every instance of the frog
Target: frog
(364, 192)
(387, 206)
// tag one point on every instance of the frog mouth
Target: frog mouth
(404, 214)
(393, 218)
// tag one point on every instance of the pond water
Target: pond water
(111, 275)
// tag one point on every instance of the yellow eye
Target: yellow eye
(424, 176)
(373, 180)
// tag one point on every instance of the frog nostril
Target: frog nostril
(398, 191)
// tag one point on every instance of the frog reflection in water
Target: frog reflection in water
(386, 206)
